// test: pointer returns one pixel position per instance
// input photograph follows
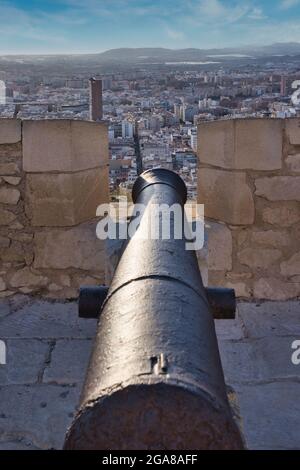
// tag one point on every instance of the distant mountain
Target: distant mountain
(148, 54)
(131, 57)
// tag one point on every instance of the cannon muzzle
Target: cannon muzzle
(155, 379)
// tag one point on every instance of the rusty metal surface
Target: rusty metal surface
(155, 379)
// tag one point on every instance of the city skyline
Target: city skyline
(69, 26)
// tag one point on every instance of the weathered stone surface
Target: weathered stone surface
(270, 414)
(219, 247)
(275, 289)
(240, 144)
(292, 127)
(22, 237)
(2, 284)
(54, 287)
(226, 196)
(279, 188)
(9, 169)
(285, 215)
(66, 293)
(24, 362)
(229, 329)
(16, 225)
(293, 163)
(241, 289)
(17, 444)
(65, 280)
(45, 320)
(40, 414)
(13, 180)
(272, 238)
(9, 195)
(75, 248)
(72, 369)
(26, 277)
(65, 199)
(64, 145)
(6, 293)
(257, 360)
(292, 266)
(11, 151)
(216, 143)
(4, 242)
(270, 319)
(14, 253)
(259, 257)
(10, 131)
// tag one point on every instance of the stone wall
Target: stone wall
(53, 175)
(249, 181)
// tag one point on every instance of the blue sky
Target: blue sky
(88, 26)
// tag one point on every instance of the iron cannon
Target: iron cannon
(155, 379)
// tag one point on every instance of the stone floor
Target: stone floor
(48, 349)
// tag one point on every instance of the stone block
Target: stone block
(293, 163)
(279, 188)
(4, 242)
(11, 151)
(271, 238)
(270, 319)
(44, 320)
(292, 127)
(72, 369)
(219, 247)
(64, 145)
(226, 196)
(229, 330)
(261, 258)
(6, 217)
(9, 195)
(9, 169)
(65, 199)
(242, 290)
(270, 414)
(216, 143)
(10, 131)
(255, 360)
(78, 248)
(291, 267)
(2, 285)
(27, 277)
(276, 289)
(284, 214)
(254, 144)
(39, 414)
(13, 180)
(24, 361)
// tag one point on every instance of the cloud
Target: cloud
(212, 11)
(257, 14)
(174, 34)
(287, 4)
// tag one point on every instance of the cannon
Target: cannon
(155, 379)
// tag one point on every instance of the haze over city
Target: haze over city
(73, 26)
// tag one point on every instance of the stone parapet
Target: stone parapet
(248, 180)
(53, 176)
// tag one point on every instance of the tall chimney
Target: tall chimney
(96, 105)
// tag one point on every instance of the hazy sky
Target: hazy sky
(82, 26)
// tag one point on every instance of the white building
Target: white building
(127, 130)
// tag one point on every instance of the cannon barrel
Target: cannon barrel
(155, 379)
